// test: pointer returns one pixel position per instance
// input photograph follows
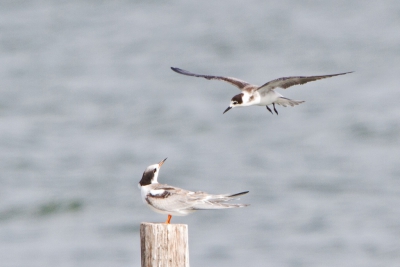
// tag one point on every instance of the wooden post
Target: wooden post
(164, 245)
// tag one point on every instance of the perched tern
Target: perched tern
(263, 95)
(171, 200)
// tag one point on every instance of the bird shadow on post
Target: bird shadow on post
(164, 245)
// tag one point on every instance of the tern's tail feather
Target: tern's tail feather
(283, 101)
(219, 202)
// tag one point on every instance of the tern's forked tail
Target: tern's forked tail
(283, 101)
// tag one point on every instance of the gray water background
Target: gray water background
(88, 102)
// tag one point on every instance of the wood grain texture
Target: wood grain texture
(164, 245)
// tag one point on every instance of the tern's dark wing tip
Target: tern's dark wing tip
(346, 72)
(239, 194)
(178, 70)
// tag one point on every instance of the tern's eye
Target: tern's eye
(155, 170)
(234, 102)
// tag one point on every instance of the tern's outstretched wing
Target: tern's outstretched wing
(236, 82)
(286, 82)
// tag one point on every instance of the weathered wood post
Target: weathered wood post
(164, 245)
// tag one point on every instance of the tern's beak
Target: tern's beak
(226, 110)
(161, 162)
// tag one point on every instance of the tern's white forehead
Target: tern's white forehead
(152, 167)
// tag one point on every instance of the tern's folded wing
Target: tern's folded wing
(204, 201)
(168, 198)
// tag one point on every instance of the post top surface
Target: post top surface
(161, 224)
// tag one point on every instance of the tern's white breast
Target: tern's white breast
(268, 98)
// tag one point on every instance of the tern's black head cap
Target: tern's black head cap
(147, 177)
(238, 98)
